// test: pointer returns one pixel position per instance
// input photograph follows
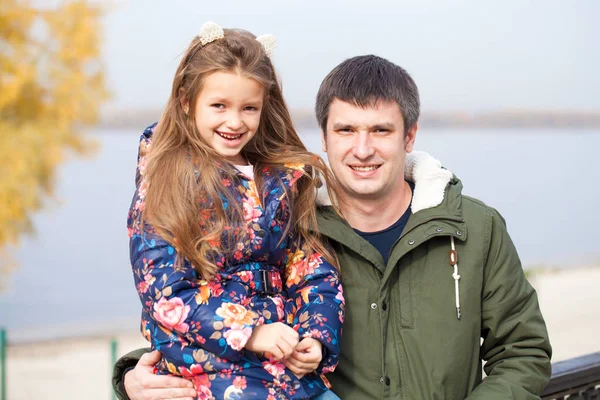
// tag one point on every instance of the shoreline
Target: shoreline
(570, 303)
(304, 118)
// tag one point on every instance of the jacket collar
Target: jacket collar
(430, 180)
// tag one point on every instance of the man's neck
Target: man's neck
(372, 215)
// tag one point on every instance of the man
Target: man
(432, 281)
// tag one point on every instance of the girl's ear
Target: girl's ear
(183, 100)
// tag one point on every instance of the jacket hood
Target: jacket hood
(430, 180)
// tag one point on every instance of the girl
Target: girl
(238, 294)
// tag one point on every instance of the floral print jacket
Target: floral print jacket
(201, 327)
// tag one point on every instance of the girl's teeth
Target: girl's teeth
(230, 137)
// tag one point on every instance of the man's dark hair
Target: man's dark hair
(365, 80)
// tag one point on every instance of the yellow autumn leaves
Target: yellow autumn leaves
(51, 87)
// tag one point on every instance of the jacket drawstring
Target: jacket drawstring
(455, 275)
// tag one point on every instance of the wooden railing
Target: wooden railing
(575, 379)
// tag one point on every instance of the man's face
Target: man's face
(366, 149)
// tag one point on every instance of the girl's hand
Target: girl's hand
(306, 358)
(277, 339)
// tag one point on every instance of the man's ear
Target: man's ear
(324, 141)
(183, 100)
(409, 139)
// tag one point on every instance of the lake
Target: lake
(544, 182)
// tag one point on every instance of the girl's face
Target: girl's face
(228, 111)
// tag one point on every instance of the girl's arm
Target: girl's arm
(314, 287)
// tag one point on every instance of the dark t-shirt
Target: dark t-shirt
(384, 240)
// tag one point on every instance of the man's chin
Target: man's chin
(362, 193)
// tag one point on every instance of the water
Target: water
(75, 277)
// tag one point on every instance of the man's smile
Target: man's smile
(364, 168)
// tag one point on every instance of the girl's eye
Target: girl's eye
(218, 105)
(251, 108)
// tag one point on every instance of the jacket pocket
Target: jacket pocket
(401, 293)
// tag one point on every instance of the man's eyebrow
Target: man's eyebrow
(339, 125)
(386, 126)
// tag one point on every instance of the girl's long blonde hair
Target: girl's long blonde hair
(185, 194)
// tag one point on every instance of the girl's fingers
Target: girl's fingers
(299, 365)
(276, 353)
(290, 340)
(307, 357)
(285, 347)
(298, 371)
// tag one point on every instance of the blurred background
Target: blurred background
(510, 103)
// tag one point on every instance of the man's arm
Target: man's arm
(140, 383)
(516, 347)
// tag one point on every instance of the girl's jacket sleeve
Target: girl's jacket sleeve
(315, 288)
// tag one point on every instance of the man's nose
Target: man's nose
(363, 146)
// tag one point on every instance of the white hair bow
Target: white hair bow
(211, 31)
(269, 43)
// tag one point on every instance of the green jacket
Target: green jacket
(402, 338)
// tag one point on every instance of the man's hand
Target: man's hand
(141, 384)
(276, 339)
(306, 358)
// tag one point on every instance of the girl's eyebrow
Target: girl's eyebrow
(219, 99)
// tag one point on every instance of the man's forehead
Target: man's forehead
(380, 112)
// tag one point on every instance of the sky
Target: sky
(464, 55)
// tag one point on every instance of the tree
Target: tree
(51, 87)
